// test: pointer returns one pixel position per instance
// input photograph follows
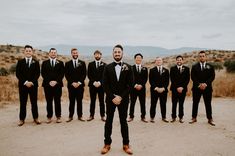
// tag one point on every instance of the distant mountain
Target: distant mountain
(147, 51)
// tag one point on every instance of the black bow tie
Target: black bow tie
(119, 63)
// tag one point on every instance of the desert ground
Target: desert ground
(147, 139)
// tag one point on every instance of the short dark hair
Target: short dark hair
(73, 49)
(52, 49)
(201, 52)
(97, 51)
(179, 56)
(28, 46)
(138, 54)
(118, 46)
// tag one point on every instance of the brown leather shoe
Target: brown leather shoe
(193, 120)
(127, 149)
(105, 149)
(211, 122)
(21, 122)
(144, 120)
(69, 119)
(58, 120)
(181, 120)
(103, 118)
(49, 120)
(130, 119)
(173, 120)
(152, 120)
(38, 122)
(81, 119)
(90, 118)
(165, 120)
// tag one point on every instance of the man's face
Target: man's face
(138, 59)
(158, 61)
(97, 56)
(28, 52)
(74, 54)
(202, 57)
(179, 61)
(53, 54)
(117, 54)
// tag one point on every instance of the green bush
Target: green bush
(217, 65)
(3, 72)
(12, 69)
(230, 66)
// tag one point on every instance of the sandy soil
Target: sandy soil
(146, 139)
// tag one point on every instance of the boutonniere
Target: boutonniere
(207, 66)
(124, 67)
(57, 62)
(143, 68)
(101, 63)
(182, 69)
(79, 64)
(32, 62)
(163, 70)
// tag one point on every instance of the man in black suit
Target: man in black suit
(159, 81)
(95, 75)
(118, 79)
(75, 73)
(28, 72)
(202, 74)
(53, 73)
(180, 76)
(138, 90)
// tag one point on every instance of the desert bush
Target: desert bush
(217, 65)
(230, 66)
(12, 69)
(3, 72)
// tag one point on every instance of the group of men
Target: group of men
(118, 81)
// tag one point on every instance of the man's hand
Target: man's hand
(202, 86)
(180, 89)
(75, 84)
(97, 84)
(117, 100)
(138, 87)
(52, 83)
(159, 90)
(29, 84)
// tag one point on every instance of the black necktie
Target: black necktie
(97, 64)
(27, 62)
(138, 68)
(202, 67)
(52, 63)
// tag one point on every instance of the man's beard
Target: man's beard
(118, 59)
(97, 58)
(75, 57)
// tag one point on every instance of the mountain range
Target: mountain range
(147, 51)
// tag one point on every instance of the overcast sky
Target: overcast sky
(164, 23)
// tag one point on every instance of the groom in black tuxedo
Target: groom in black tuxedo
(118, 79)
(202, 74)
(95, 75)
(28, 72)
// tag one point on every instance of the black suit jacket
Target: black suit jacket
(159, 80)
(25, 73)
(114, 87)
(140, 78)
(77, 74)
(179, 79)
(95, 74)
(206, 76)
(50, 73)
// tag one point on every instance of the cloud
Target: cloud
(212, 36)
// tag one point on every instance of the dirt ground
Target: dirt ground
(147, 139)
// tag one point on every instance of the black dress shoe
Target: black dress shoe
(144, 120)
(21, 123)
(81, 119)
(37, 121)
(193, 120)
(152, 120)
(165, 120)
(173, 120)
(90, 118)
(211, 122)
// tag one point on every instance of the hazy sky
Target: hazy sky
(165, 23)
